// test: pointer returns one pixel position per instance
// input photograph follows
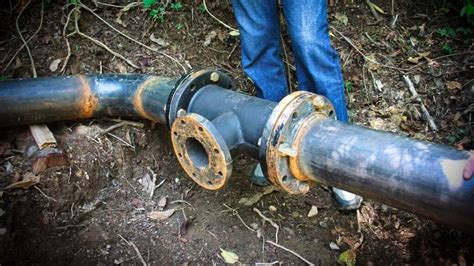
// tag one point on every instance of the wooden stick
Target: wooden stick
(291, 251)
(43, 136)
(425, 112)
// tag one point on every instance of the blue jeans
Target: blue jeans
(317, 63)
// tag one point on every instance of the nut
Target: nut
(285, 149)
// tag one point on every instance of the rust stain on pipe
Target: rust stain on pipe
(88, 102)
(138, 99)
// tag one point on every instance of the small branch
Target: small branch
(214, 17)
(68, 46)
(425, 112)
(130, 243)
(132, 39)
(291, 251)
(121, 124)
(270, 221)
(373, 11)
(25, 42)
(44, 194)
(99, 43)
(236, 213)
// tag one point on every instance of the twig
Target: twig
(121, 124)
(364, 56)
(99, 43)
(121, 140)
(183, 201)
(287, 64)
(270, 221)
(153, 181)
(68, 46)
(32, 61)
(291, 251)
(130, 243)
(44, 194)
(373, 11)
(425, 112)
(132, 39)
(232, 52)
(214, 17)
(236, 213)
(29, 39)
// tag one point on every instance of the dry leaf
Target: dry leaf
(234, 33)
(29, 180)
(229, 257)
(54, 65)
(209, 37)
(452, 85)
(256, 198)
(160, 215)
(162, 203)
(341, 18)
(413, 60)
(372, 63)
(160, 41)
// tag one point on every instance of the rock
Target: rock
(313, 211)
(334, 246)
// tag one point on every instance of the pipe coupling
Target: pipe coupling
(278, 148)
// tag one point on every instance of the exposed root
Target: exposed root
(25, 42)
(132, 39)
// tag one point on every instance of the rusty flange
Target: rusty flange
(201, 151)
(281, 131)
(188, 85)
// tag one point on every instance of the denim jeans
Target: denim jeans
(317, 63)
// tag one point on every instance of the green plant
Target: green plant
(468, 11)
(178, 26)
(447, 32)
(158, 14)
(348, 86)
(447, 49)
(176, 6)
(3, 77)
(201, 8)
(148, 3)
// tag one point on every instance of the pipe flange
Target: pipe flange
(188, 85)
(201, 151)
(279, 135)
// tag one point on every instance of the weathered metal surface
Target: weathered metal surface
(421, 177)
(201, 151)
(277, 147)
(32, 101)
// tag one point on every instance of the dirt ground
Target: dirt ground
(95, 210)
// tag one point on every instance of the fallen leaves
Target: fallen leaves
(453, 85)
(209, 37)
(229, 257)
(160, 41)
(256, 198)
(347, 258)
(29, 180)
(160, 215)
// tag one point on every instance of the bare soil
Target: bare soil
(94, 211)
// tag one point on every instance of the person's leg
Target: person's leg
(260, 41)
(317, 64)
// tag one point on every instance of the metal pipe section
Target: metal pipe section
(31, 101)
(422, 177)
(297, 141)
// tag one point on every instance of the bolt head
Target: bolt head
(319, 102)
(214, 77)
(181, 112)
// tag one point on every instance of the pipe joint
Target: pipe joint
(281, 134)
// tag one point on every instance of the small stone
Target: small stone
(295, 214)
(334, 246)
(313, 211)
(272, 208)
(2, 231)
(323, 224)
(254, 226)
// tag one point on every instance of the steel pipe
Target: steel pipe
(297, 140)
